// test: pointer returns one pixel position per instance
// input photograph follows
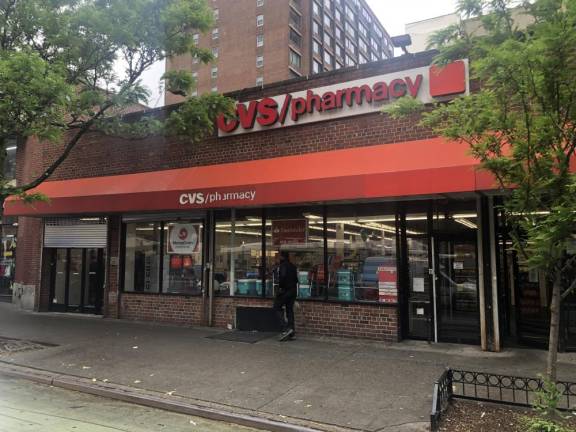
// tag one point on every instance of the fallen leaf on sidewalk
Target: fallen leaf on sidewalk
(105, 380)
(137, 381)
(170, 393)
(94, 380)
(135, 347)
(482, 415)
(193, 423)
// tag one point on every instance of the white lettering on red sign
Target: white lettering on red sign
(209, 198)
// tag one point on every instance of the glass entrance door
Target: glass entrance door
(77, 280)
(456, 273)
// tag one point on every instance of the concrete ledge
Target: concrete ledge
(171, 403)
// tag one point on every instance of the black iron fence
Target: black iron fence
(495, 388)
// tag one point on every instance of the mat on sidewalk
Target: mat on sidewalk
(243, 336)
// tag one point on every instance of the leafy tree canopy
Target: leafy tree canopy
(67, 66)
(520, 123)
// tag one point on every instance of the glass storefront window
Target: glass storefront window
(142, 264)
(362, 264)
(238, 254)
(300, 232)
(182, 266)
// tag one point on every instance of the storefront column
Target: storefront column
(488, 275)
(496, 343)
(111, 306)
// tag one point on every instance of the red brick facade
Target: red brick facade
(98, 155)
(312, 317)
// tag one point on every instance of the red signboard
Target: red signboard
(289, 231)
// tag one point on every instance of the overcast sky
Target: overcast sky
(393, 14)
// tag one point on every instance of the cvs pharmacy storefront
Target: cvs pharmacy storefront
(392, 229)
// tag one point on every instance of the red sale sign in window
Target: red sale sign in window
(387, 285)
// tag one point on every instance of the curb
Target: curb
(154, 399)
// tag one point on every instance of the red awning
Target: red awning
(410, 168)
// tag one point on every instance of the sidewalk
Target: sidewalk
(348, 383)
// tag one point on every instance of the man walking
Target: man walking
(286, 296)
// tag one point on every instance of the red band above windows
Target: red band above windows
(413, 168)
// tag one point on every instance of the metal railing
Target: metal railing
(494, 388)
(441, 398)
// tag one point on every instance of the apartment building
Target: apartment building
(255, 42)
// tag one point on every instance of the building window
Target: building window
(350, 61)
(315, 47)
(216, 14)
(295, 19)
(194, 93)
(327, 21)
(362, 45)
(260, 40)
(295, 59)
(259, 3)
(363, 30)
(196, 38)
(259, 61)
(157, 260)
(363, 60)
(350, 30)
(378, 33)
(366, 16)
(215, 34)
(195, 60)
(361, 246)
(338, 33)
(316, 67)
(260, 81)
(260, 20)
(214, 73)
(350, 45)
(328, 40)
(375, 45)
(295, 38)
(238, 255)
(339, 51)
(315, 28)
(215, 52)
(338, 15)
(338, 65)
(195, 76)
(375, 57)
(350, 13)
(315, 8)
(328, 59)
(328, 4)
(214, 89)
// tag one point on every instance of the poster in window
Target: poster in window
(289, 231)
(387, 285)
(183, 238)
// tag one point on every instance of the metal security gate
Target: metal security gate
(75, 233)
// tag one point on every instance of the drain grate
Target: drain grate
(11, 346)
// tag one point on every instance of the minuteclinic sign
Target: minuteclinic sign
(427, 84)
(183, 239)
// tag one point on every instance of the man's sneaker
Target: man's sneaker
(286, 335)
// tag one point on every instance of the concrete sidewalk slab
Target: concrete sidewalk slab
(344, 383)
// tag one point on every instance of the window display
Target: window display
(164, 257)
(142, 265)
(361, 254)
(238, 254)
(299, 231)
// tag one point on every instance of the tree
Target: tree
(67, 67)
(521, 126)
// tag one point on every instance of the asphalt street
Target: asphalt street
(29, 407)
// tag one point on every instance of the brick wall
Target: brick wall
(98, 155)
(375, 322)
